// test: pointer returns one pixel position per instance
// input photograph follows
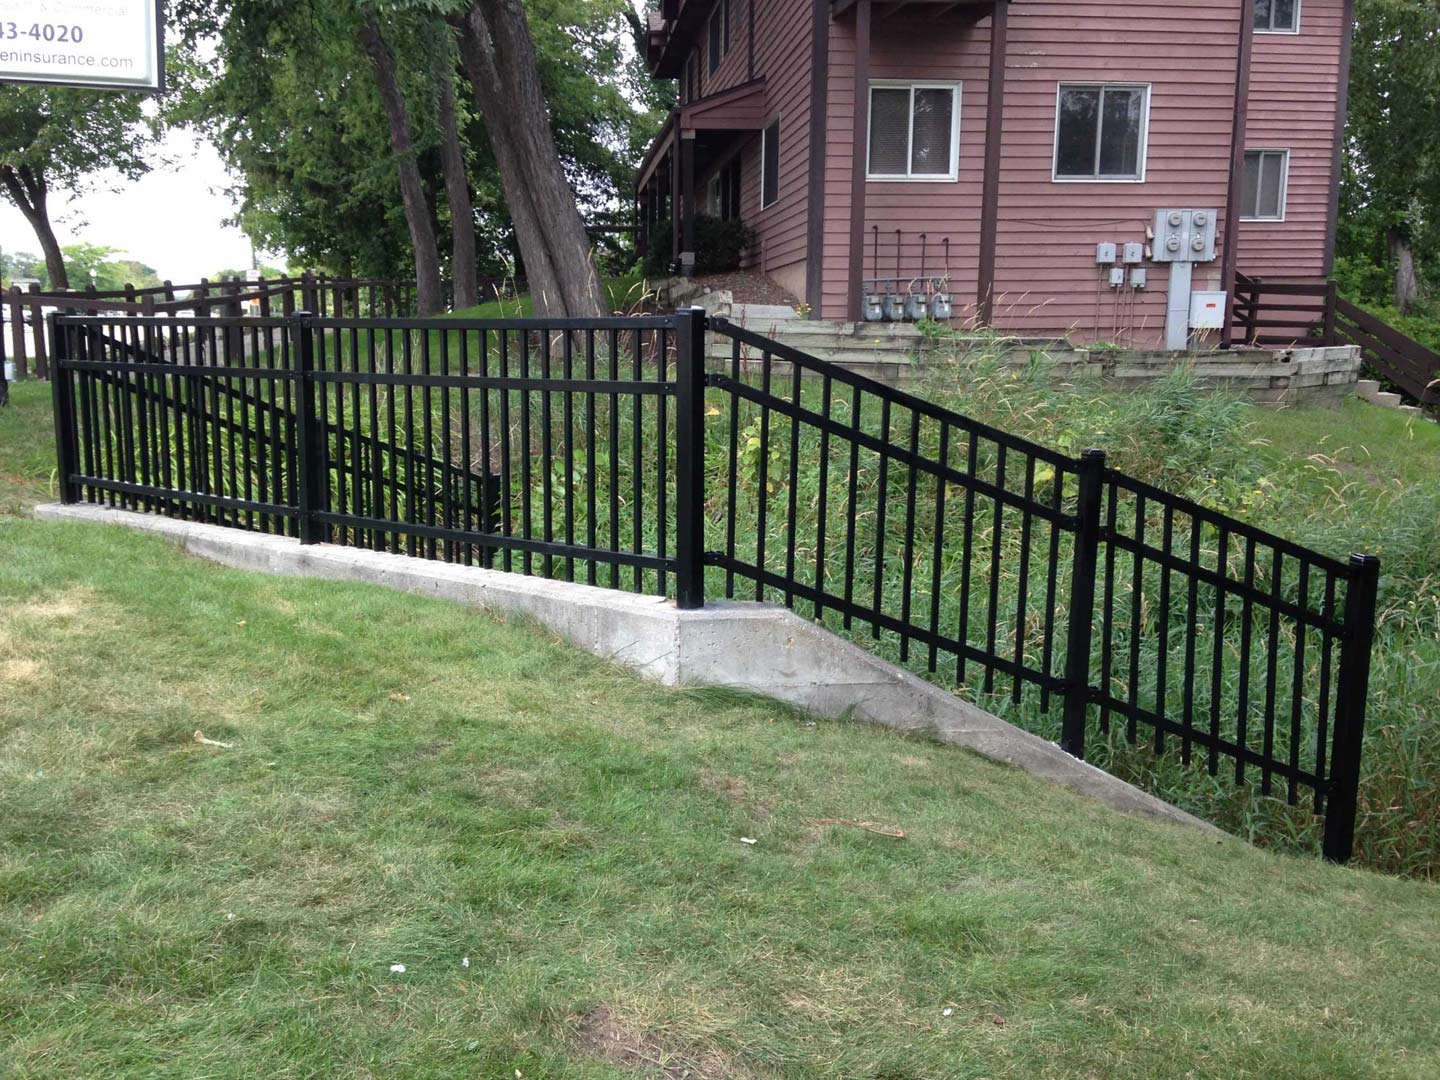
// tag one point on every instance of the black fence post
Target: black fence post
(1350, 698)
(1080, 633)
(308, 433)
(690, 458)
(66, 458)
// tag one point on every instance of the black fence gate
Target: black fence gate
(584, 450)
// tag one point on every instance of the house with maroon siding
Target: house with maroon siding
(990, 147)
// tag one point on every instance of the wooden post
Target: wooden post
(859, 147)
(17, 333)
(990, 196)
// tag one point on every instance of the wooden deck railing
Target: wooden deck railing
(1309, 314)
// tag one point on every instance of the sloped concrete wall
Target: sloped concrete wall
(759, 648)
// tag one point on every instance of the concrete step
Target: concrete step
(1367, 388)
(1387, 400)
(750, 314)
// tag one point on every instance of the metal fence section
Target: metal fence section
(1081, 600)
(535, 447)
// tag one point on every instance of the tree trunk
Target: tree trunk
(429, 298)
(499, 57)
(29, 192)
(457, 187)
(1407, 283)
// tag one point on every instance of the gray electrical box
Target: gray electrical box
(1185, 236)
(1134, 253)
(1137, 277)
(1117, 276)
(1105, 254)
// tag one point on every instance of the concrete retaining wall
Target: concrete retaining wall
(758, 648)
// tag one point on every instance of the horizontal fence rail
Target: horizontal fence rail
(1084, 603)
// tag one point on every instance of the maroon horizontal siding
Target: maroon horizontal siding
(1294, 93)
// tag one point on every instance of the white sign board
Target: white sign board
(109, 44)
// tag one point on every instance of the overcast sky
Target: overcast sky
(171, 219)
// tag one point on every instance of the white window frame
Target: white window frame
(910, 177)
(778, 123)
(1299, 15)
(1284, 182)
(1060, 89)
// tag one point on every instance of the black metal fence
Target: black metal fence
(1045, 584)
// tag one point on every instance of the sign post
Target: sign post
(102, 44)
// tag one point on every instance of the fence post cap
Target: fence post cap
(1093, 455)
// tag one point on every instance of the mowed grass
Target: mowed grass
(410, 782)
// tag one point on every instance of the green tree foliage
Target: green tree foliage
(290, 101)
(60, 139)
(1390, 198)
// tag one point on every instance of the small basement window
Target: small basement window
(914, 131)
(1277, 16)
(770, 164)
(719, 34)
(1100, 132)
(1262, 196)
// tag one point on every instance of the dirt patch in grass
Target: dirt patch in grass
(736, 792)
(600, 1035)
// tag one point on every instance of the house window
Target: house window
(1277, 16)
(722, 192)
(719, 34)
(1263, 193)
(914, 131)
(770, 164)
(1100, 132)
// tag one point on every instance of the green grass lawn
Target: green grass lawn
(625, 294)
(553, 851)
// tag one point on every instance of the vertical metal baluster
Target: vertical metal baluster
(763, 490)
(1322, 723)
(1272, 667)
(547, 459)
(1022, 597)
(937, 554)
(1297, 692)
(467, 460)
(907, 569)
(427, 398)
(1217, 662)
(411, 482)
(525, 444)
(567, 353)
(852, 512)
(1163, 658)
(662, 470)
(378, 462)
(967, 551)
(733, 497)
(359, 439)
(1192, 632)
(155, 345)
(506, 525)
(992, 619)
(821, 509)
(1047, 643)
(792, 505)
(1243, 709)
(392, 434)
(614, 424)
(879, 583)
(637, 457)
(1137, 593)
(447, 455)
(344, 449)
(592, 536)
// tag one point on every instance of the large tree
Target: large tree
(500, 59)
(1391, 186)
(55, 139)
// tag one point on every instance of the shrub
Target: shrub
(719, 244)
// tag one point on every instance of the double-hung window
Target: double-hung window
(1100, 132)
(1277, 16)
(914, 131)
(719, 33)
(770, 164)
(1262, 196)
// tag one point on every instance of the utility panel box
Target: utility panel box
(1117, 277)
(1207, 310)
(1185, 235)
(1137, 277)
(1134, 253)
(1105, 254)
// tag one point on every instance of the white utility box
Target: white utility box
(1207, 310)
